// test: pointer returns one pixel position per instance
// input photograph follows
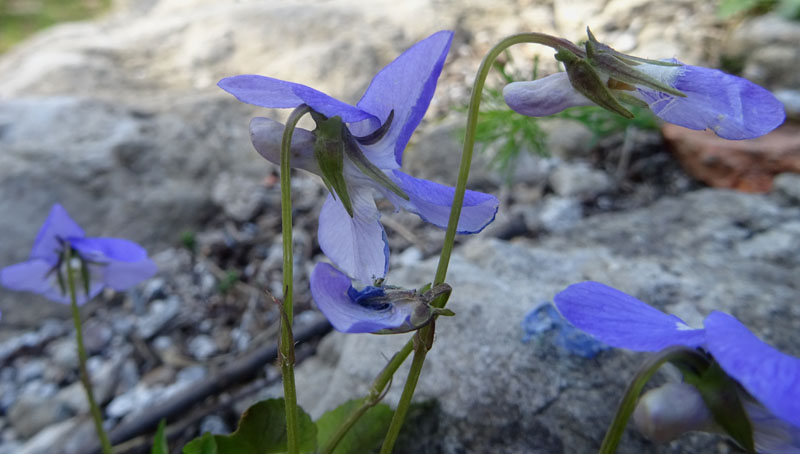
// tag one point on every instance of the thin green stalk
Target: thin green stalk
(684, 356)
(287, 339)
(84, 372)
(375, 395)
(420, 350)
(469, 137)
(455, 211)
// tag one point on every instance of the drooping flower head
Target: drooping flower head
(771, 378)
(371, 309)
(358, 150)
(96, 262)
(690, 96)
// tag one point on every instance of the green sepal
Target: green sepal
(615, 65)
(364, 436)
(329, 152)
(85, 275)
(160, 440)
(60, 278)
(722, 396)
(261, 430)
(631, 100)
(366, 167)
(584, 78)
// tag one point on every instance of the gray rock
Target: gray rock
(579, 180)
(74, 398)
(202, 347)
(790, 99)
(132, 401)
(215, 425)
(765, 48)
(504, 381)
(63, 353)
(787, 185)
(159, 314)
(557, 214)
(52, 436)
(96, 337)
(240, 198)
(34, 410)
(33, 340)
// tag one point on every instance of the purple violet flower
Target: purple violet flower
(772, 378)
(370, 309)
(382, 121)
(111, 262)
(732, 107)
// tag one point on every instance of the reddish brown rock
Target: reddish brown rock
(744, 165)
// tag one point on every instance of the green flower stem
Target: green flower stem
(287, 339)
(469, 137)
(420, 350)
(376, 393)
(84, 372)
(455, 212)
(683, 357)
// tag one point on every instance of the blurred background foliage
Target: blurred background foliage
(789, 9)
(22, 18)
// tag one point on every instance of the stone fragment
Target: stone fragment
(158, 315)
(744, 165)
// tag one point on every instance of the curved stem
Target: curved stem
(287, 339)
(685, 358)
(84, 372)
(420, 351)
(469, 137)
(455, 211)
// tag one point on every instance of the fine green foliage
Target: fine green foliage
(160, 440)
(364, 437)
(261, 430)
(728, 9)
(227, 283)
(507, 133)
(21, 18)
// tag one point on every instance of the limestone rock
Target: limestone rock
(493, 391)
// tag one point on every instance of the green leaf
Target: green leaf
(262, 430)
(160, 440)
(365, 435)
(201, 445)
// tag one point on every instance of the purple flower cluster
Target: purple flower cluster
(732, 107)
(111, 262)
(398, 97)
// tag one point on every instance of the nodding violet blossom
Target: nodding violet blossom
(770, 379)
(371, 309)
(690, 96)
(96, 262)
(358, 149)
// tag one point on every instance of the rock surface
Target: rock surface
(686, 255)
